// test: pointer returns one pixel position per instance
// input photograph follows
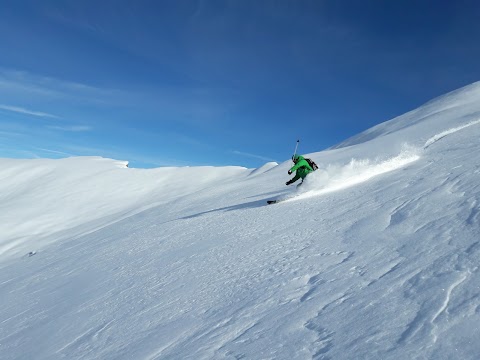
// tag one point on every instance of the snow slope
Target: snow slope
(39, 199)
(374, 257)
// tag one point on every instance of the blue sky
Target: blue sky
(183, 82)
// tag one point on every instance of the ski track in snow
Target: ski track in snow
(441, 135)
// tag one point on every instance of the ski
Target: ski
(270, 202)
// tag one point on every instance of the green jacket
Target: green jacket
(301, 167)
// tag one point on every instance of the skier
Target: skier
(302, 168)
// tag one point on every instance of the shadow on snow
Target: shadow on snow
(249, 205)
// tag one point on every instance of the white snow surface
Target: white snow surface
(375, 256)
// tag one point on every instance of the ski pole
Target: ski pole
(296, 147)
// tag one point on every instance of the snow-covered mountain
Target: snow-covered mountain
(375, 256)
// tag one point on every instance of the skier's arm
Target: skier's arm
(295, 178)
(295, 167)
(299, 165)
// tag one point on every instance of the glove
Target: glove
(289, 172)
(288, 182)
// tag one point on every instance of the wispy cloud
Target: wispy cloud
(72, 128)
(252, 155)
(24, 111)
(27, 84)
(10, 134)
(55, 152)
